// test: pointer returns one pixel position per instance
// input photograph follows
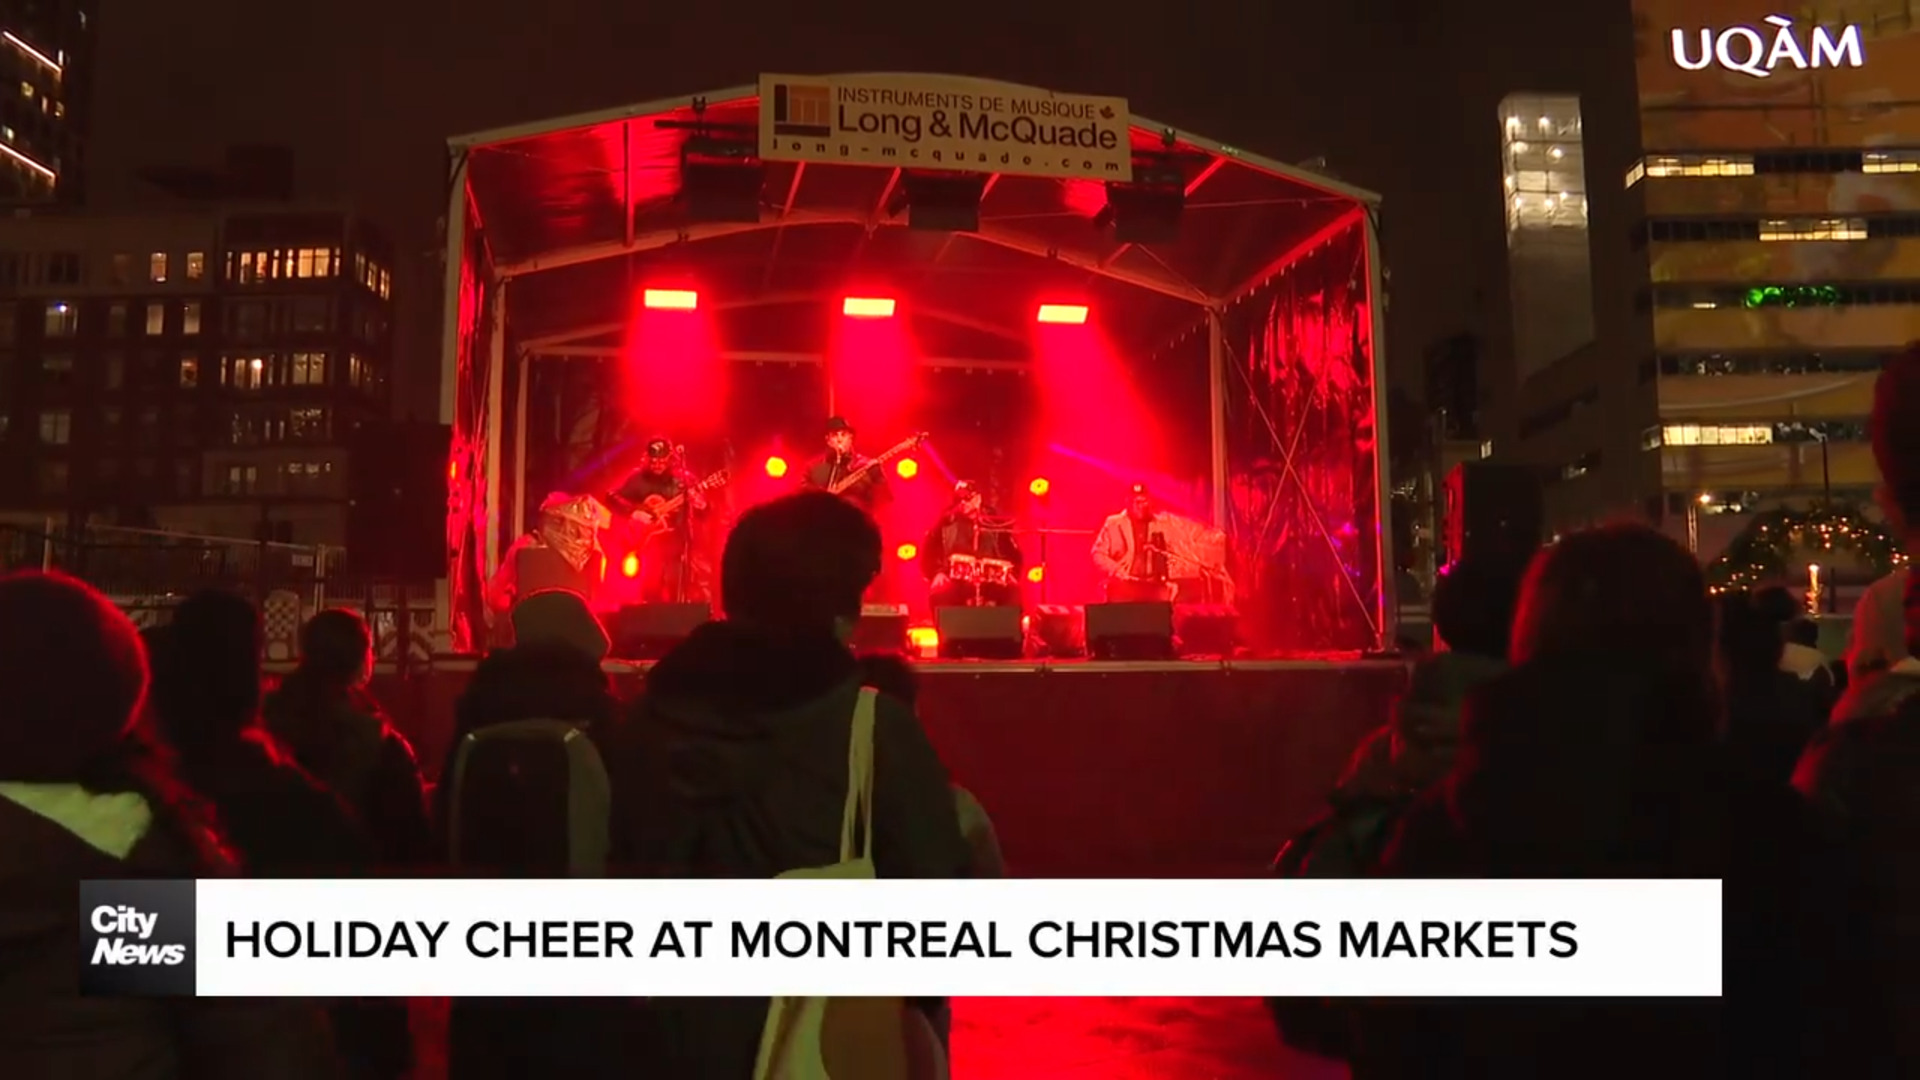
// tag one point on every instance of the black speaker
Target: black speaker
(1130, 631)
(979, 633)
(882, 628)
(647, 631)
(1206, 630)
(1492, 512)
(397, 500)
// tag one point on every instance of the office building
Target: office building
(46, 56)
(197, 372)
(1772, 223)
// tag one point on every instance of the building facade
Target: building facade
(198, 372)
(1754, 227)
(1779, 205)
(46, 55)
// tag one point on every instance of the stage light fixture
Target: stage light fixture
(907, 468)
(776, 467)
(925, 640)
(907, 552)
(1063, 314)
(630, 566)
(1037, 574)
(671, 299)
(867, 307)
(1039, 488)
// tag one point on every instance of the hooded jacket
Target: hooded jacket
(346, 743)
(1599, 767)
(734, 764)
(53, 835)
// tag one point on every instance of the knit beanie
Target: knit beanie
(73, 677)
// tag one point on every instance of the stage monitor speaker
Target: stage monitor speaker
(979, 633)
(1492, 512)
(882, 628)
(1060, 630)
(397, 500)
(647, 631)
(1130, 631)
(1206, 630)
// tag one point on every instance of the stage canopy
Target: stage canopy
(554, 226)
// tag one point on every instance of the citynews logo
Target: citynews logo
(137, 938)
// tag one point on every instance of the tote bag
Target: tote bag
(810, 1038)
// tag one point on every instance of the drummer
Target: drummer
(969, 556)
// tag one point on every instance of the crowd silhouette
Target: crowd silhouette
(1596, 712)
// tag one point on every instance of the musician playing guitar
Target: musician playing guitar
(663, 499)
(859, 479)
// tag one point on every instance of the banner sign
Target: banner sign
(942, 122)
(585, 937)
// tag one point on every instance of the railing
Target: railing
(147, 571)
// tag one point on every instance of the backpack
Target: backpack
(814, 1038)
(1346, 842)
(529, 798)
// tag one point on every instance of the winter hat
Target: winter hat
(73, 677)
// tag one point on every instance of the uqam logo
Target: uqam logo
(1745, 49)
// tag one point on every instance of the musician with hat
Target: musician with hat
(1131, 550)
(561, 552)
(858, 478)
(663, 498)
(969, 556)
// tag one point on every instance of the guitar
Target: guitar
(661, 508)
(912, 442)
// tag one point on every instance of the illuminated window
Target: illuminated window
(309, 369)
(196, 265)
(1890, 161)
(63, 319)
(1665, 166)
(307, 425)
(56, 427)
(157, 267)
(26, 90)
(190, 317)
(156, 318)
(189, 371)
(241, 480)
(1814, 229)
(1716, 434)
(243, 372)
(1636, 172)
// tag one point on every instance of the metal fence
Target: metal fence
(148, 571)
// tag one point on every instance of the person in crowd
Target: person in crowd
(87, 792)
(733, 762)
(323, 714)
(206, 701)
(1598, 756)
(1862, 770)
(1771, 712)
(1473, 604)
(283, 822)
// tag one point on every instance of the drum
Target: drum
(963, 569)
(996, 572)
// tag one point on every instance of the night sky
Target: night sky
(367, 91)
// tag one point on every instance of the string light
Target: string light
(1763, 551)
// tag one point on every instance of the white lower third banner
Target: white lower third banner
(619, 938)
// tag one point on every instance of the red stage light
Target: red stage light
(776, 467)
(1063, 314)
(630, 566)
(867, 307)
(907, 468)
(1039, 487)
(671, 299)
(1037, 574)
(907, 552)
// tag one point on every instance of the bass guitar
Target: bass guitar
(854, 476)
(660, 510)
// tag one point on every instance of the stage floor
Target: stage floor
(1100, 769)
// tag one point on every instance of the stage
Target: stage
(1099, 769)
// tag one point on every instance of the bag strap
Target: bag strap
(856, 822)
